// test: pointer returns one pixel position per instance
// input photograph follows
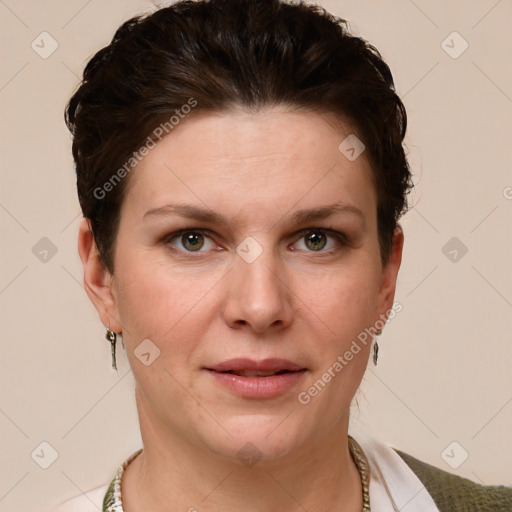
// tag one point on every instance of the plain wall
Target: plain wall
(444, 371)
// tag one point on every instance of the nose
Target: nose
(258, 296)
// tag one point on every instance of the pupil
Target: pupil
(192, 241)
(316, 241)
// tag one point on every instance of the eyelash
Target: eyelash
(340, 237)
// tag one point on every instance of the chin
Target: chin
(255, 438)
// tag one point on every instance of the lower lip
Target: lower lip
(258, 387)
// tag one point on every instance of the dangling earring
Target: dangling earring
(376, 348)
(111, 336)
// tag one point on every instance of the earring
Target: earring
(376, 348)
(111, 336)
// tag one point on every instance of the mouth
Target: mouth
(247, 378)
(245, 367)
(256, 373)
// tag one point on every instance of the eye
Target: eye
(190, 240)
(316, 240)
(311, 240)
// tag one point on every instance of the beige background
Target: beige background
(444, 372)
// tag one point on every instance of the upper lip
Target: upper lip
(272, 364)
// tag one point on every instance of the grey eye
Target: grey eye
(315, 240)
(192, 241)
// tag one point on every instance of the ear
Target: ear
(98, 282)
(389, 275)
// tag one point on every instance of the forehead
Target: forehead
(266, 158)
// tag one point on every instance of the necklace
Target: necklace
(361, 462)
(113, 502)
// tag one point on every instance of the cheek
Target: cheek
(166, 305)
(341, 302)
(342, 306)
(147, 290)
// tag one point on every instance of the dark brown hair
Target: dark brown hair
(223, 54)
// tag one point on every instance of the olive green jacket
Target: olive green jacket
(453, 493)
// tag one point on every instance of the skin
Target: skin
(202, 308)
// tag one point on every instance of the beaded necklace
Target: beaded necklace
(113, 502)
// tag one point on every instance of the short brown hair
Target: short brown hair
(225, 54)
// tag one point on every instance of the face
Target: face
(247, 236)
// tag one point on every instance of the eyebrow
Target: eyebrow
(299, 217)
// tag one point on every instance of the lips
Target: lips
(256, 373)
(269, 378)
(249, 368)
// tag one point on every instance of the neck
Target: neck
(172, 473)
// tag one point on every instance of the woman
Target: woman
(241, 175)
